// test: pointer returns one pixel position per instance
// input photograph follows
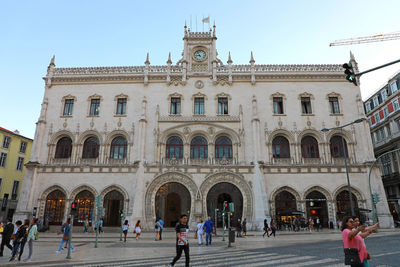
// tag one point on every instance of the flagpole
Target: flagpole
(196, 23)
(190, 22)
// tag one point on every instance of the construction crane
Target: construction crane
(367, 39)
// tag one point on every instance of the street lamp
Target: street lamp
(345, 157)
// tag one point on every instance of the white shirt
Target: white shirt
(200, 228)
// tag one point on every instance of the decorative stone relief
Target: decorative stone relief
(119, 124)
(65, 124)
(91, 124)
(199, 84)
(211, 130)
(186, 131)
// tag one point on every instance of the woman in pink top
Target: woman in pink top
(351, 239)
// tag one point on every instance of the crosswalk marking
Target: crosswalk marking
(247, 260)
(280, 261)
(324, 262)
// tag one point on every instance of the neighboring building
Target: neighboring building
(15, 151)
(158, 141)
(383, 113)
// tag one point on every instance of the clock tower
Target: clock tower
(199, 52)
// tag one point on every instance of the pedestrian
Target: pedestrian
(162, 227)
(182, 243)
(318, 223)
(200, 232)
(138, 229)
(66, 236)
(244, 227)
(209, 229)
(311, 224)
(17, 237)
(125, 229)
(265, 228)
(364, 233)
(21, 237)
(239, 228)
(6, 236)
(85, 225)
(101, 226)
(1, 231)
(273, 227)
(32, 235)
(157, 228)
(354, 248)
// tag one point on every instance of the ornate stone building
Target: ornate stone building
(185, 137)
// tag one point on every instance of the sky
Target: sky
(95, 33)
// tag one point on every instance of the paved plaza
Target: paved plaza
(287, 249)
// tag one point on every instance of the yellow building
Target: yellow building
(15, 151)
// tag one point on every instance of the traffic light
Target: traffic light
(73, 208)
(350, 74)
(121, 213)
(232, 207)
(225, 204)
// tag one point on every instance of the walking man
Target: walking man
(209, 228)
(162, 227)
(65, 237)
(182, 241)
(7, 232)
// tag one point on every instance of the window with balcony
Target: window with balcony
(121, 106)
(3, 159)
(306, 105)
(396, 104)
(309, 147)
(6, 142)
(280, 147)
(91, 148)
(373, 138)
(223, 106)
(68, 107)
(277, 105)
(20, 163)
(63, 148)
(337, 147)
(199, 105)
(14, 192)
(198, 148)
(119, 147)
(22, 147)
(388, 130)
(223, 147)
(385, 112)
(386, 165)
(334, 105)
(174, 148)
(94, 107)
(393, 87)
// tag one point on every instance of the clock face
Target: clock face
(199, 55)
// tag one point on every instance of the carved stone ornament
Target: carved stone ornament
(92, 123)
(199, 84)
(309, 123)
(65, 124)
(119, 122)
(186, 130)
(211, 130)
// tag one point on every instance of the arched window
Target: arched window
(63, 148)
(119, 147)
(309, 147)
(337, 147)
(174, 148)
(223, 148)
(198, 148)
(280, 147)
(91, 148)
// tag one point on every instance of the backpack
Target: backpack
(156, 226)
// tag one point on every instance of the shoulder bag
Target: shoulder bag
(351, 256)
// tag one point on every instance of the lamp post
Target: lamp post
(345, 158)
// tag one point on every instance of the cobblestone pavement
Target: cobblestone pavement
(287, 249)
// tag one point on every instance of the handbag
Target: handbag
(195, 235)
(351, 256)
(65, 238)
(12, 237)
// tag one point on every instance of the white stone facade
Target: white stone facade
(250, 124)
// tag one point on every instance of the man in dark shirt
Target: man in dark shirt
(209, 228)
(182, 241)
(7, 232)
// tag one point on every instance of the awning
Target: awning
(290, 213)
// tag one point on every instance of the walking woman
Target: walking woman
(200, 232)
(23, 241)
(32, 235)
(265, 228)
(273, 227)
(354, 247)
(138, 229)
(125, 229)
(157, 229)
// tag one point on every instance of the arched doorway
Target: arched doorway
(55, 206)
(113, 203)
(85, 204)
(317, 207)
(343, 204)
(224, 192)
(172, 200)
(285, 205)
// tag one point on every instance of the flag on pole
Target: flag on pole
(206, 20)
